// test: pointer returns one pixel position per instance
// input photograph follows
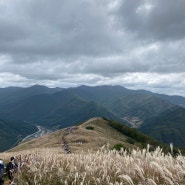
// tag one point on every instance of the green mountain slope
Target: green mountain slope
(117, 100)
(176, 100)
(65, 107)
(123, 102)
(12, 131)
(168, 127)
(77, 111)
(12, 95)
(30, 109)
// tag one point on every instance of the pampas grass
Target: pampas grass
(104, 167)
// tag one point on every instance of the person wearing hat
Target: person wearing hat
(10, 169)
(1, 172)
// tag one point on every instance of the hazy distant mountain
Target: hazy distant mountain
(116, 100)
(123, 102)
(176, 100)
(11, 95)
(64, 107)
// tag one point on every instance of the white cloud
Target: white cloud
(138, 43)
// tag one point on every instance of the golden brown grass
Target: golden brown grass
(96, 138)
(104, 167)
(44, 161)
(79, 139)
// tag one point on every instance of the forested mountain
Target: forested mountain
(122, 101)
(168, 127)
(75, 103)
(64, 107)
(12, 132)
(61, 109)
(176, 100)
(11, 95)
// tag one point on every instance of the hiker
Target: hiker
(1, 172)
(10, 169)
(15, 165)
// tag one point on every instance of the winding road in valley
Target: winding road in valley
(41, 131)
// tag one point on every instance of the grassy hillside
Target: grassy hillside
(92, 135)
(93, 161)
(101, 134)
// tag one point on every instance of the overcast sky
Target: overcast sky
(139, 44)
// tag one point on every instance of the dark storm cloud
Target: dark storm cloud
(57, 27)
(159, 19)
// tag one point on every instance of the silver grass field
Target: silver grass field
(104, 167)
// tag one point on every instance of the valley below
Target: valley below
(134, 122)
(41, 132)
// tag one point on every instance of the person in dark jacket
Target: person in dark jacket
(1, 172)
(10, 169)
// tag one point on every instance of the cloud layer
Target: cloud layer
(138, 44)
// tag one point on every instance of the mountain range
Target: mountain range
(160, 116)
